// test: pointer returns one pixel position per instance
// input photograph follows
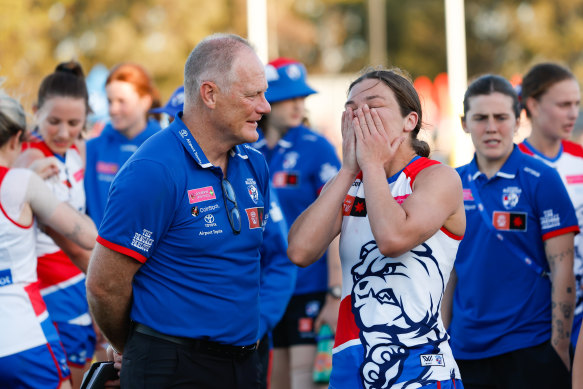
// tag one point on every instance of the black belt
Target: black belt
(204, 346)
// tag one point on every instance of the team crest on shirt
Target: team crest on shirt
(290, 160)
(252, 189)
(510, 196)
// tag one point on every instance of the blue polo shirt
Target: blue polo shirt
(166, 209)
(106, 154)
(500, 303)
(278, 273)
(300, 164)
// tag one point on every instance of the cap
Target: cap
(174, 105)
(286, 79)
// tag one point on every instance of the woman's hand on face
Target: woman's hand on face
(349, 161)
(373, 144)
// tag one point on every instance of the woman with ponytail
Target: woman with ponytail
(56, 153)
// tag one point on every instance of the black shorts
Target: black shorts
(532, 367)
(297, 325)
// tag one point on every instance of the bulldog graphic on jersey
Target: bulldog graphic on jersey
(388, 320)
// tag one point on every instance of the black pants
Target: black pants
(533, 367)
(263, 357)
(150, 362)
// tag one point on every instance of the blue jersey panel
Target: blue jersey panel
(299, 165)
(105, 155)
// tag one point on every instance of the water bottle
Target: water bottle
(323, 362)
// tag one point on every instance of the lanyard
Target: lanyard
(513, 249)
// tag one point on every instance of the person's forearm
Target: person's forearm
(109, 293)
(316, 227)
(78, 255)
(112, 315)
(559, 252)
(563, 305)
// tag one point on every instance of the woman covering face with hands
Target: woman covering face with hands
(400, 218)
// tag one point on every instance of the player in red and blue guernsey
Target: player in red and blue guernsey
(551, 97)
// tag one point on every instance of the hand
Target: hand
(45, 167)
(116, 357)
(373, 144)
(328, 314)
(348, 142)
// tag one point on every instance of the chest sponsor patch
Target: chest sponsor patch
(283, 179)
(432, 360)
(5, 277)
(468, 195)
(255, 217)
(509, 221)
(201, 194)
(354, 206)
(576, 179)
(107, 167)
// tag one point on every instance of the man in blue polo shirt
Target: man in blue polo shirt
(174, 280)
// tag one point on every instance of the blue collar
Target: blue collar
(192, 147)
(508, 170)
(394, 177)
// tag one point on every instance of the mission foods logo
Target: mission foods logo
(284, 179)
(354, 206)
(255, 217)
(509, 221)
(201, 194)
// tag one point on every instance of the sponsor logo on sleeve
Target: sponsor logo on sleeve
(255, 217)
(549, 219)
(201, 194)
(432, 360)
(509, 221)
(143, 241)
